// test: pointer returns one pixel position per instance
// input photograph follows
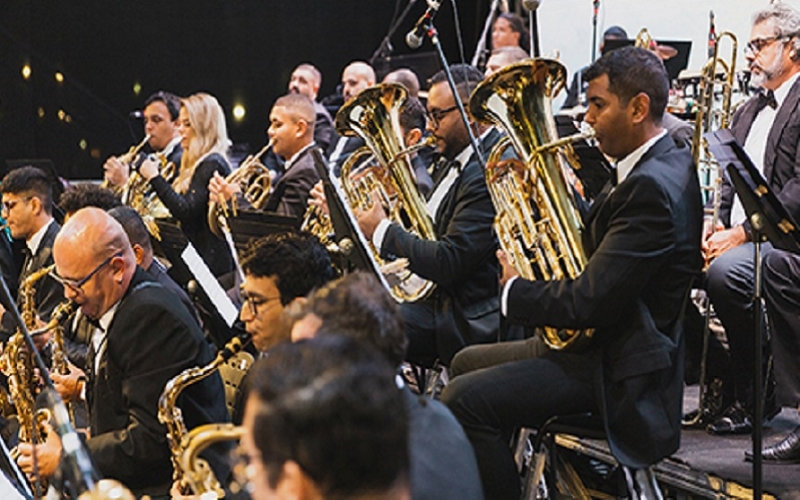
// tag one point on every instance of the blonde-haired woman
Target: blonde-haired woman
(204, 138)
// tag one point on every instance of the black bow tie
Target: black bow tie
(766, 99)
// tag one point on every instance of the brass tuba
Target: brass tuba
(537, 221)
(374, 115)
(254, 181)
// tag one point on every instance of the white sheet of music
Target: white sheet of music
(7, 488)
(210, 285)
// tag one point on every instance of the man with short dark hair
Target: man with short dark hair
(464, 308)
(161, 124)
(642, 237)
(87, 194)
(28, 210)
(280, 269)
(291, 131)
(324, 421)
(357, 306)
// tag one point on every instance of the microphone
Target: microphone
(138, 115)
(415, 37)
(531, 5)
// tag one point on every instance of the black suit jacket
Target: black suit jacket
(48, 293)
(290, 194)
(781, 157)
(461, 261)
(151, 338)
(191, 211)
(643, 238)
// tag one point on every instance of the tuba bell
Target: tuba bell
(254, 181)
(374, 115)
(537, 221)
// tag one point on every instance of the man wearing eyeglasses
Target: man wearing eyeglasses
(464, 309)
(160, 117)
(145, 336)
(768, 126)
(27, 207)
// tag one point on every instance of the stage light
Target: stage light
(239, 112)
(61, 114)
(82, 144)
(59, 77)
(26, 71)
(137, 88)
(40, 112)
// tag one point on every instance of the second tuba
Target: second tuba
(374, 115)
(537, 221)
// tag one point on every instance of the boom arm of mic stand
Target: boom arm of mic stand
(434, 36)
(386, 42)
(74, 449)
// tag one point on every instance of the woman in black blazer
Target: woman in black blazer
(204, 139)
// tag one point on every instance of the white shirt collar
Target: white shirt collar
(34, 241)
(171, 146)
(291, 161)
(783, 91)
(625, 165)
(463, 157)
(105, 319)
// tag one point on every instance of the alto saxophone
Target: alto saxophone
(197, 477)
(16, 363)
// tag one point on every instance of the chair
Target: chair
(639, 483)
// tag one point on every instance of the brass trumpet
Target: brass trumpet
(126, 159)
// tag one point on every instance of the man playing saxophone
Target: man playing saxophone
(145, 336)
(642, 238)
(27, 207)
(161, 126)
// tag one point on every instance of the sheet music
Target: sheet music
(209, 284)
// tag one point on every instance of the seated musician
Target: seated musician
(464, 308)
(85, 195)
(204, 139)
(145, 336)
(161, 124)
(643, 242)
(324, 421)
(28, 210)
(291, 132)
(357, 306)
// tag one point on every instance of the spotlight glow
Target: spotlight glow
(239, 112)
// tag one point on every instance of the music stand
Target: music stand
(770, 221)
(252, 224)
(173, 243)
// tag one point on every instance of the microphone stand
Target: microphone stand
(74, 452)
(385, 48)
(430, 30)
(596, 7)
(481, 48)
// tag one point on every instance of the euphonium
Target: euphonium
(16, 363)
(537, 222)
(126, 159)
(374, 115)
(200, 479)
(254, 181)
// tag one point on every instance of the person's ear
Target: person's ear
(413, 136)
(295, 484)
(640, 107)
(302, 128)
(138, 251)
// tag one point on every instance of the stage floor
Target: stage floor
(709, 466)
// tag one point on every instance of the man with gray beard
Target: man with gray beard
(768, 126)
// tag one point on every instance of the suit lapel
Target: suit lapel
(785, 112)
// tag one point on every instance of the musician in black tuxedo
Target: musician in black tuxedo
(291, 131)
(160, 117)
(771, 137)
(356, 77)
(643, 241)
(464, 308)
(145, 337)
(28, 209)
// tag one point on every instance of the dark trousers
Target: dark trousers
(475, 357)
(489, 403)
(730, 285)
(782, 295)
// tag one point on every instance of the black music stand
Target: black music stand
(770, 221)
(252, 224)
(172, 244)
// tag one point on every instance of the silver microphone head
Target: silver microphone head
(413, 40)
(531, 4)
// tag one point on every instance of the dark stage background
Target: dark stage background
(241, 51)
